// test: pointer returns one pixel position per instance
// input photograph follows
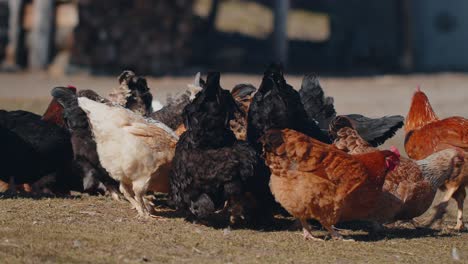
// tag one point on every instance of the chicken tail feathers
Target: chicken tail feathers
(376, 130)
(317, 106)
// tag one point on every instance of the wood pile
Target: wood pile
(147, 36)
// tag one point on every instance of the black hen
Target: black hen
(211, 167)
(319, 107)
(33, 148)
(84, 146)
(276, 105)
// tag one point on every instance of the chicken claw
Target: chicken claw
(460, 226)
(309, 236)
(157, 217)
(337, 236)
(307, 232)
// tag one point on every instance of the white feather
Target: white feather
(156, 105)
(131, 148)
(195, 87)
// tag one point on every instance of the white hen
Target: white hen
(135, 151)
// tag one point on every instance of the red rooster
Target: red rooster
(426, 134)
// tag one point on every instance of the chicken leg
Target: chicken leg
(441, 208)
(139, 189)
(459, 196)
(128, 193)
(335, 235)
(307, 231)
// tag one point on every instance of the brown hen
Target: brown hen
(311, 179)
(426, 134)
(409, 190)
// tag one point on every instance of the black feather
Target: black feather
(141, 97)
(318, 106)
(171, 113)
(210, 166)
(376, 130)
(84, 146)
(33, 148)
(276, 105)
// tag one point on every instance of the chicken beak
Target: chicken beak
(391, 163)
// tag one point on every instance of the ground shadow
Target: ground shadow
(38, 196)
(394, 232)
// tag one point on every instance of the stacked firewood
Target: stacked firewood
(148, 36)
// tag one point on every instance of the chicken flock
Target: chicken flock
(244, 155)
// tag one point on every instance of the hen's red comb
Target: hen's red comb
(71, 87)
(395, 150)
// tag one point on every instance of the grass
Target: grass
(84, 229)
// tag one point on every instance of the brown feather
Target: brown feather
(311, 179)
(420, 113)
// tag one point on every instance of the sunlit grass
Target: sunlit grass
(35, 105)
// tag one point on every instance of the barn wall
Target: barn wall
(440, 31)
(365, 33)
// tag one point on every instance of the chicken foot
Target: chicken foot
(335, 235)
(307, 231)
(441, 208)
(114, 192)
(128, 192)
(144, 208)
(459, 196)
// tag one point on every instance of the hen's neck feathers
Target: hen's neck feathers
(375, 164)
(348, 140)
(420, 113)
(437, 168)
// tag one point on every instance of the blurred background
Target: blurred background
(165, 37)
(369, 54)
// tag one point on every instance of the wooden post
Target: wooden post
(407, 61)
(280, 34)
(41, 35)
(15, 20)
(212, 15)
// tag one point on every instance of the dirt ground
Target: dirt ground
(84, 229)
